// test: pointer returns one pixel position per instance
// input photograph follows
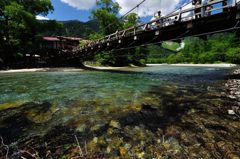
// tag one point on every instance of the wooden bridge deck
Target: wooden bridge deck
(167, 28)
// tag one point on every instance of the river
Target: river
(149, 112)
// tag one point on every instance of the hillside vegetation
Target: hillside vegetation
(20, 32)
(218, 48)
(74, 28)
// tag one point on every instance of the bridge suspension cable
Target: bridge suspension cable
(123, 16)
(236, 27)
(184, 5)
(137, 6)
(104, 44)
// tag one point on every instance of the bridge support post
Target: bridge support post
(135, 36)
(189, 25)
(238, 15)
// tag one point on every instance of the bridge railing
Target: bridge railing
(200, 11)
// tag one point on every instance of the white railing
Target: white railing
(194, 12)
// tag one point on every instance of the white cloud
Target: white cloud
(81, 4)
(149, 7)
(38, 17)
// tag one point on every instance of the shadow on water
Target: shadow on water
(234, 76)
(192, 117)
(14, 122)
(160, 115)
(173, 76)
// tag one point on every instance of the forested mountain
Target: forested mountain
(74, 28)
(217, 48)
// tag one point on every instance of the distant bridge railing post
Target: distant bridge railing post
(179, 16)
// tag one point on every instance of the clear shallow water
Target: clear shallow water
(63, 86)
(105, 105)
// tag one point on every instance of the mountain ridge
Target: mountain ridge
(75, 28)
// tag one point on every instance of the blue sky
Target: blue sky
(81, 9)
(63, 12)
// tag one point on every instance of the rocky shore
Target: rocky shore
(233, 89)
(88, 67)
(175, 122)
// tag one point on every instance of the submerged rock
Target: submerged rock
(122, 151)
(41, 113)
(81, 128)
(11, 105)
(18, 122)
(182, 123)
(115, 124)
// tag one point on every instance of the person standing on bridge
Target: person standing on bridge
(224, 4)
(208, 8)
(158, 17)
(157, 22)
(197, 11)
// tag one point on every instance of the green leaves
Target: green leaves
(36, 7)
(233, 55)
(217, 48)
(109, 6)
(131, 20)
(19, 26)
(109, 23)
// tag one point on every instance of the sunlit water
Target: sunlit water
(89, 100)
(120, 87)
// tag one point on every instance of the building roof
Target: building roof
(60, 38)
(70, 38)
(51, 39)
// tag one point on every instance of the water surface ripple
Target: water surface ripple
(161, 111)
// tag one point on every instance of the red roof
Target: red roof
(70, 38)
(51, 39)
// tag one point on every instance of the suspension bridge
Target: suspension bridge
(213, 17)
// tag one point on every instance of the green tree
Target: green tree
(19, 26)
(222, 47)
(106, 16)
(131, 20)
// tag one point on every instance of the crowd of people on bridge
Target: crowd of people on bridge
(202, 9)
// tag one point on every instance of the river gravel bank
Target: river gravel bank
(176, 121)
(88, 67)
(233, 88)
(195, 65)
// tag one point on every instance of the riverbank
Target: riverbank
(67, 69)
(62, 69)
(233, 93)
(161, 111)
(195, 65)
(88, 67)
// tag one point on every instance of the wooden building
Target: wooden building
(59, 43)
(51, 50)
